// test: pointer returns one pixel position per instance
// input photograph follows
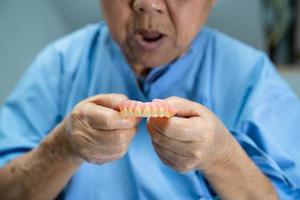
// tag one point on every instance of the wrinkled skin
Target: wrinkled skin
(97, 132)
(179, 20)
(186, 142)
(193, 139)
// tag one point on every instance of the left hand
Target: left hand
(194, 139)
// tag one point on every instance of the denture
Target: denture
(156, 108)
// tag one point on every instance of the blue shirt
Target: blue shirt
(236, 82)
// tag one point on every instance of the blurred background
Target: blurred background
(27, 26)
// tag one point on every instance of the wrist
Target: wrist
(59, 147)
(236, 169)
(226, 155)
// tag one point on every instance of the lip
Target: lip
(147, 44)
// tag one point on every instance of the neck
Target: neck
(141, 70)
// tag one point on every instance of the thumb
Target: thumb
(108, 100)
(185, 107)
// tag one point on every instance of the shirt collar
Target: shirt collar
(162, 77)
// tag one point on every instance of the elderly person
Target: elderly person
(235, 134)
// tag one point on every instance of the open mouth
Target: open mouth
(152, 36)
(149, 40)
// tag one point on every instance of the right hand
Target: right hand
(96, 130)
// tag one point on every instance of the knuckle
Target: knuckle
(180, 169)
(96, 160)
(120, 96)
(124, 137)
(164, 161)
(79, 115)
(85, 154)
(117, 156)
(156, 138)
(89, 159)
(117, 96)
(196, 154)
(184, 129)
(173, 98)
(121, 153)
(123, 147)
(207, 139)
(210, 125)
(108, 121)
(185, 166)
(119, 138)
(75, 114)
(77, 138)
(119, 149)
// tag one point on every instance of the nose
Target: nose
(149, 6)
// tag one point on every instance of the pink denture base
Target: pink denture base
(156, 108)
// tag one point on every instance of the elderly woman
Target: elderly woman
(234, 135)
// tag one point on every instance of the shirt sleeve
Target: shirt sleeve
(32, 110)
(269, 130)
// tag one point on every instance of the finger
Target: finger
(170, 164)
(108, 100)
(113, 137)
(177, 128)
(181, 164)
(99, 158)
(88, 146)
(184, 149)
(96, 159)
(186, 108)
(104, 118)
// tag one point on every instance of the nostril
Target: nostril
(141, 10)
(159, 11)
(147, 6)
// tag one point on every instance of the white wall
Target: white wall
(26, 27)
(241, 19)
(79, 12)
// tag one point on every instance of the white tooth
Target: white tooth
(161, 112)
(130, 112)
(137, 112)
(167, 114)
(154, 112)
(147, 112)
(124, 113)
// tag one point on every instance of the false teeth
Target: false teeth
(156, 108)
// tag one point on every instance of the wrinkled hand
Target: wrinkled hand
(97, 132)
(194, 139)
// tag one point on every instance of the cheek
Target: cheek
(186, 32)
(189, 22)
(116, 14)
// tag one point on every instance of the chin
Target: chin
(156, 61)
(153, 63)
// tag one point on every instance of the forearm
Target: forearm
(42, 173)
(237, 177)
